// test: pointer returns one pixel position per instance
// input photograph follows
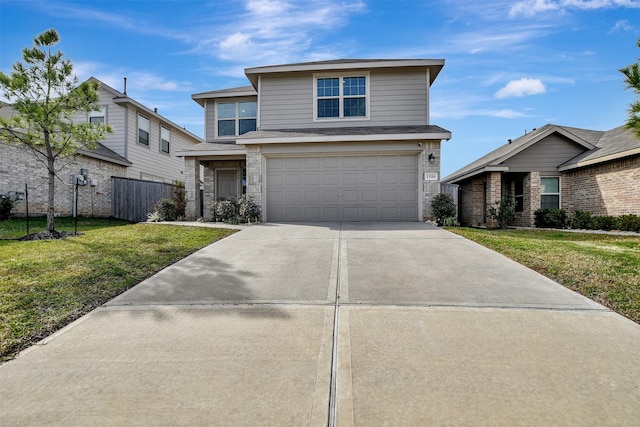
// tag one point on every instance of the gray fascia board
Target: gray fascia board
(436, 64)
(200, 98)
(597, 160)
(345, 138)
(473, 173)
(199, 153)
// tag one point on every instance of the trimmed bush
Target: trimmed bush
(604, 223)
(550, 218)
(443, 207)
(628, 223)
(582, 219)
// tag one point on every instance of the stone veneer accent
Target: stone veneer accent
(192, 187)
(18, 166)
(254, 174)
(429, 188)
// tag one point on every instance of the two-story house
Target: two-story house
(342, 140)
(143, 146)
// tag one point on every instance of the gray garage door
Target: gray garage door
(345, 188)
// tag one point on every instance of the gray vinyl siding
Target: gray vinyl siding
(397, 98)
(148, 162)
(545, 156)
(115, 117)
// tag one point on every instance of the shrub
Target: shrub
(503, 211)
(628, 223)
(248, 211)
(153, 217)
(442, 207)
(582, 219)
(167, 209)
(550, 218)
(6, 204)
(604, 223)
(223, 210)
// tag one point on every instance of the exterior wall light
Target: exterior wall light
(432, 158)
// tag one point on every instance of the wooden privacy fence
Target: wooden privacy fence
(452, 189)
(133, 199)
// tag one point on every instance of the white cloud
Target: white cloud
(530, 8)
(622, 25)
(277, 31)
(521, 87)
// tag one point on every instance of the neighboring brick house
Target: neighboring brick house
(554, 167)
(142, 146)
(343, 140)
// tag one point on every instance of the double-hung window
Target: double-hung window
(165, 139)
(98, 116)
(143, 129)
(550, 192)
(341, 97)
(236, 118)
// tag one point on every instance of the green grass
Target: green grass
(603, 267)
(46, 284)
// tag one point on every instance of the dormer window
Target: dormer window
(341, 96)
(236, 118)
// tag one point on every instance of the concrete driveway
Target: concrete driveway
(335, 324)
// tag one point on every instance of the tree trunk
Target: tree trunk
(51, 201)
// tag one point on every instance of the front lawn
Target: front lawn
(605, 268)
(46, 284)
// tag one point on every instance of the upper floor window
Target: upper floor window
(550, 192)
(339, 97)
(143, 129)
(98, 116)
(236, 118)
(165, 139)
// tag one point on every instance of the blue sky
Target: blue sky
(510, 65)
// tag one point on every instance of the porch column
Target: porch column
(192, 187)
(494, 193)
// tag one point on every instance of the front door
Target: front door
(227, 184)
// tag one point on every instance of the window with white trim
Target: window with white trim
(165, 139)
(341, 97)
(98, 116)
(143, 129)
(550, 192)
(236, 118)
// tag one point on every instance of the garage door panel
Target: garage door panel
(389, 177)
(347, 188)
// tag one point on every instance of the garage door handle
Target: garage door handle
(339, 194)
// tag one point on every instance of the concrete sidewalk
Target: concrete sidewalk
(335, 324)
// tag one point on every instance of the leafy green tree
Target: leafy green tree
(44, 93)
(443, 208)
(632, 79)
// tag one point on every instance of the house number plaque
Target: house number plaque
(431, 176)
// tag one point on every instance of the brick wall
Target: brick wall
(611, 188)
(18, 167)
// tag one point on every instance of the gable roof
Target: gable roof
(434, 65)
(601, 146)
(613, 144)
(122, 98)
(224, 93)
(494, 160)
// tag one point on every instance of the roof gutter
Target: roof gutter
(345, 138)
(597, 160)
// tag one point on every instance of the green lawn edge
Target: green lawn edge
(46, 284)
(602, 267)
